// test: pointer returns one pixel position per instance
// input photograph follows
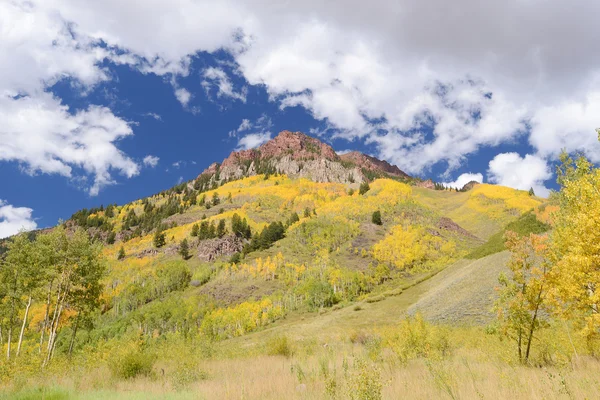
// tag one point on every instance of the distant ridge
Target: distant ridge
(301, 156)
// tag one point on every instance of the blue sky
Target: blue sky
(102, 104)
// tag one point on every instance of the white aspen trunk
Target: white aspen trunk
(52, 337)
(9, 339)
(47, 314)
(23, 326)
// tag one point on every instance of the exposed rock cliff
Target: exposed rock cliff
(300, 156)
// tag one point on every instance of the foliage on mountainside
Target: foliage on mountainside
(524, 225)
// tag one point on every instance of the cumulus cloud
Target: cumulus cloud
(376, 72)
(15, 219)
(151, 161)
(463, 179)
(43, 136)
(253, 140)
(510, 169)
(36, 129)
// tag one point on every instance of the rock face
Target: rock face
(428, 184)
(373, 164)
(300, 156)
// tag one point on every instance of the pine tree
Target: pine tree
(364, 188)
(159, 239)
(221, 230)
(215, 199)
(111, 238)
(121, 254)
(376, 218)
(184, 249)
(531, 192)
(195, 230)
(204, 231)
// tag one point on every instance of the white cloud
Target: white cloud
(253, 140)
(183, 96)
(151, 161)
(245, 125)
(340, 152)
(463, 179)
(217, 77)
(153, 115)
(37, 49)
(15, 219)
(510, 169)
(475, 79)
(43, 136)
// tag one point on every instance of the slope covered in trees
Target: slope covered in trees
(269, 258)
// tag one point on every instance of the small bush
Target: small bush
(132, 364)
(357, 307)
(376, 218)
(364, 382)
(415, 338)
(375, 299)
(280, 346)
(185, 374)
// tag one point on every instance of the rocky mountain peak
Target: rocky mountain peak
(298, 155)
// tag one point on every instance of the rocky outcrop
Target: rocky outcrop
(209, 250)
(428, 184)
(300, 156)
(469, 186)
(373, 164)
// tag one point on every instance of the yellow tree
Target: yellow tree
(575, 247)
(523, 292)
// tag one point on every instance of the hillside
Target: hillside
(325, 249)
(289, 240)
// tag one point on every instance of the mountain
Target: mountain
(300, 156)
(248, 257)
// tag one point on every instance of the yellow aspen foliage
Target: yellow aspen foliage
(523, 292)
(412, 246)
(575, 247)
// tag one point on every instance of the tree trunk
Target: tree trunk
(532, 326)
(8, 342)
(52, 337)
(73, 335)
(23, 326)
(46, 316)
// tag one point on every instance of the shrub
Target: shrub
(364, 382)
(185, 374)
(415, 338)
(184, 249)
(280, 346)
(121, 254)
(357, 307)
(375, 299)
(159, 239)
(364, 188)
(133, 364)
(376, 218)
